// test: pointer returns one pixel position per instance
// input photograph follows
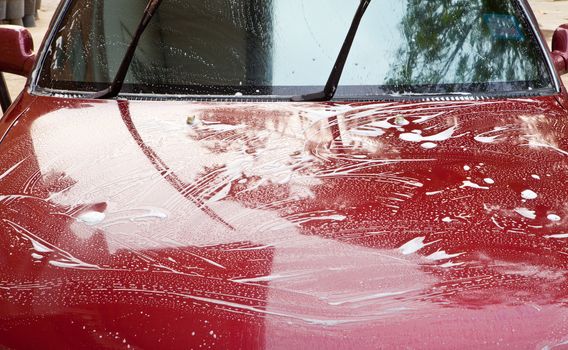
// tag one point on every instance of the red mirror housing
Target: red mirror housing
(16, 56)
(560, 49)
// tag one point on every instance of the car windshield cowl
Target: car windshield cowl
(281, 49)
(393, 97)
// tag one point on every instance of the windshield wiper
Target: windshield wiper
(333, 80)
(114, 89)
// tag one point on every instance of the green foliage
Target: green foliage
(450, 42)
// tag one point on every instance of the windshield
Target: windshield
(288, 48)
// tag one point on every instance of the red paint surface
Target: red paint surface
(283, 225)
(17, 50)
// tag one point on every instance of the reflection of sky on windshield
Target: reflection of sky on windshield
(311, 57)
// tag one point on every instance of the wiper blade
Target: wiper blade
(114, 89)
(333, 80)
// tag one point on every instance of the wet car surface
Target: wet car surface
(435, 222)
(257, 222)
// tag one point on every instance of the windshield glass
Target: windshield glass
(288, 47)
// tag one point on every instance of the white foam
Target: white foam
(414, 245)
(527, 213)
(214, 126)
(412, 137)
(442, 136)
(450, 264)
(442, 255)
(222, 194)
(434, 193)
(367, 132)
(73, 264)
(151, 213)
(473, 185)
(384, 124)
(489, 181)
(558, 236)
(553, 217)
(40, 248)
(336, 217)
(7, 172)
(367, 297)
(528, 194)
(268, 278)
(91, 218)
(483, 138)
(429, 145)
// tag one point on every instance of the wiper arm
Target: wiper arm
(114, 89)
(333, 80)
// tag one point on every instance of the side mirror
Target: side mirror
(17, 56)
(560, 49)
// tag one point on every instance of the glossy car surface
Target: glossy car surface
(428, 223)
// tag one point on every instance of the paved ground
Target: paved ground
(550, 14)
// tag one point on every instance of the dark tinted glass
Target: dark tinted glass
(288, 47)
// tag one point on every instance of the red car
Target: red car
(285, 174)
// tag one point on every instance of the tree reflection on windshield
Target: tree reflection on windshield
(450, 45)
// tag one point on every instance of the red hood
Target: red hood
(440, 224)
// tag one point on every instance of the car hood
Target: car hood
(274, 225)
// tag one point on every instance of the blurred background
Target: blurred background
(37, 14)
